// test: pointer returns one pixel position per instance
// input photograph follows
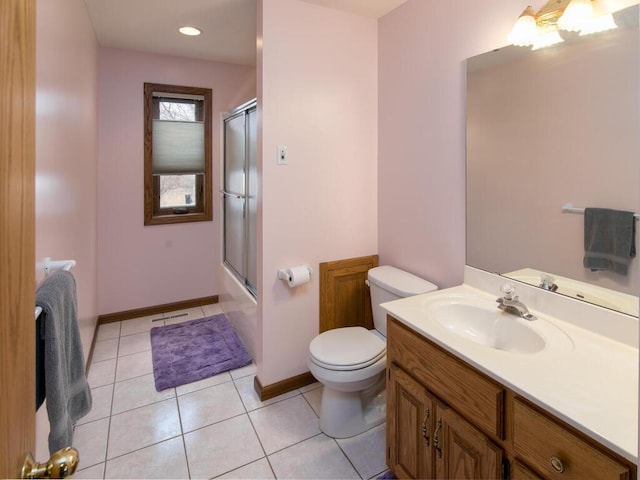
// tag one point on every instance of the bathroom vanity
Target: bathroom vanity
(467, 408)
(474, 392)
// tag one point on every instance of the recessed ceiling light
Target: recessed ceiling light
(191, 31)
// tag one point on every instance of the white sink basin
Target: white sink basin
(490, 327)
(465, 319)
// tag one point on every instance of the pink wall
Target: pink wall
(67, 148)
(319, 98)
(144, 266)
(67, 157)
(421, 158)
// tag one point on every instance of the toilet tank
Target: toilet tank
(390, 283)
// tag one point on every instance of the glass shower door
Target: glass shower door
(239, 194)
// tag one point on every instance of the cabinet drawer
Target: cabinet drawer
(476, 397)
(549, 447)
(520, 472)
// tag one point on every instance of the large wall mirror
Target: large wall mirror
(546, 128)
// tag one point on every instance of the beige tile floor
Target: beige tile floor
(214, 428)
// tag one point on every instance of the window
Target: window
(177, 154)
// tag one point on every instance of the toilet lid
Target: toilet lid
(347, 348)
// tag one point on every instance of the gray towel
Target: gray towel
(609, 239)
(67, 391)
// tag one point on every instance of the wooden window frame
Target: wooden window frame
(202, 211)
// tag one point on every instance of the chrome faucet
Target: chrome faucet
(547, 282)
(511, 304)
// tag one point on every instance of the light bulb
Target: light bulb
(525, 30)
(599, 24)
(546, 40)
(577, 14)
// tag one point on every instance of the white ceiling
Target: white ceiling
(368, 8)
(228, 26)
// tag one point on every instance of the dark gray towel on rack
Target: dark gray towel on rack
(609, 239)
(67, 391)
(40, 386)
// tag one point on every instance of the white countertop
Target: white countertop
(587, 379)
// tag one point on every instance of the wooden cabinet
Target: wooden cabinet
(447, 420)
(556, 452)
(519, 471)
(461, 450)
(426, 438)
(410, 427)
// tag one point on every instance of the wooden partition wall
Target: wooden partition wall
(344, 295)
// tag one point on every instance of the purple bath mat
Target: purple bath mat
(190, 351)
(388, 475)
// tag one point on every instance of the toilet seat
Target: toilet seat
(347, 348)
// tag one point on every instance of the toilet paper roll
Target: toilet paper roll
(298, 275)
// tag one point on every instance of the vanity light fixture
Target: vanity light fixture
(576, 15)
(190, 31)
(599, 24)
(546, 40)
(542, 29)
(524, 31)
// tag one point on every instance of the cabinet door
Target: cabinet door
(409, 426)
(461, 450)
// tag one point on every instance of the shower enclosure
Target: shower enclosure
(239, 194)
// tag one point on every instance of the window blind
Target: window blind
(178, 147)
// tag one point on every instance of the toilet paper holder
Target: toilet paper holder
(284, 275)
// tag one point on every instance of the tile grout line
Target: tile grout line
(266, 457)
(182, 433)
(113, 395)
(348, 458)
(111, 414)
(255, 431)
(288, 446)
(177, 400)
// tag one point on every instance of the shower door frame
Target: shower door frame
(248, 197)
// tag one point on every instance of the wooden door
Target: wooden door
(410, 413)
(461, 450)
(17, 236)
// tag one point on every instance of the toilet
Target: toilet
(350, 361)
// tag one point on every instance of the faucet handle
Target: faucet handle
(546, 280)
(508, 289)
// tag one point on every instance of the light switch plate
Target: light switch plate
(282, 155)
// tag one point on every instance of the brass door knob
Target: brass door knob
(62, 464)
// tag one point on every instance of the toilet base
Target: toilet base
(346, 414)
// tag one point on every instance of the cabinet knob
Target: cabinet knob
(556, 464)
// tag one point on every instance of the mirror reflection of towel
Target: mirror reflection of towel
(609, 239)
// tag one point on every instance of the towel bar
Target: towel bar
(569, 208)
(51, 265)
